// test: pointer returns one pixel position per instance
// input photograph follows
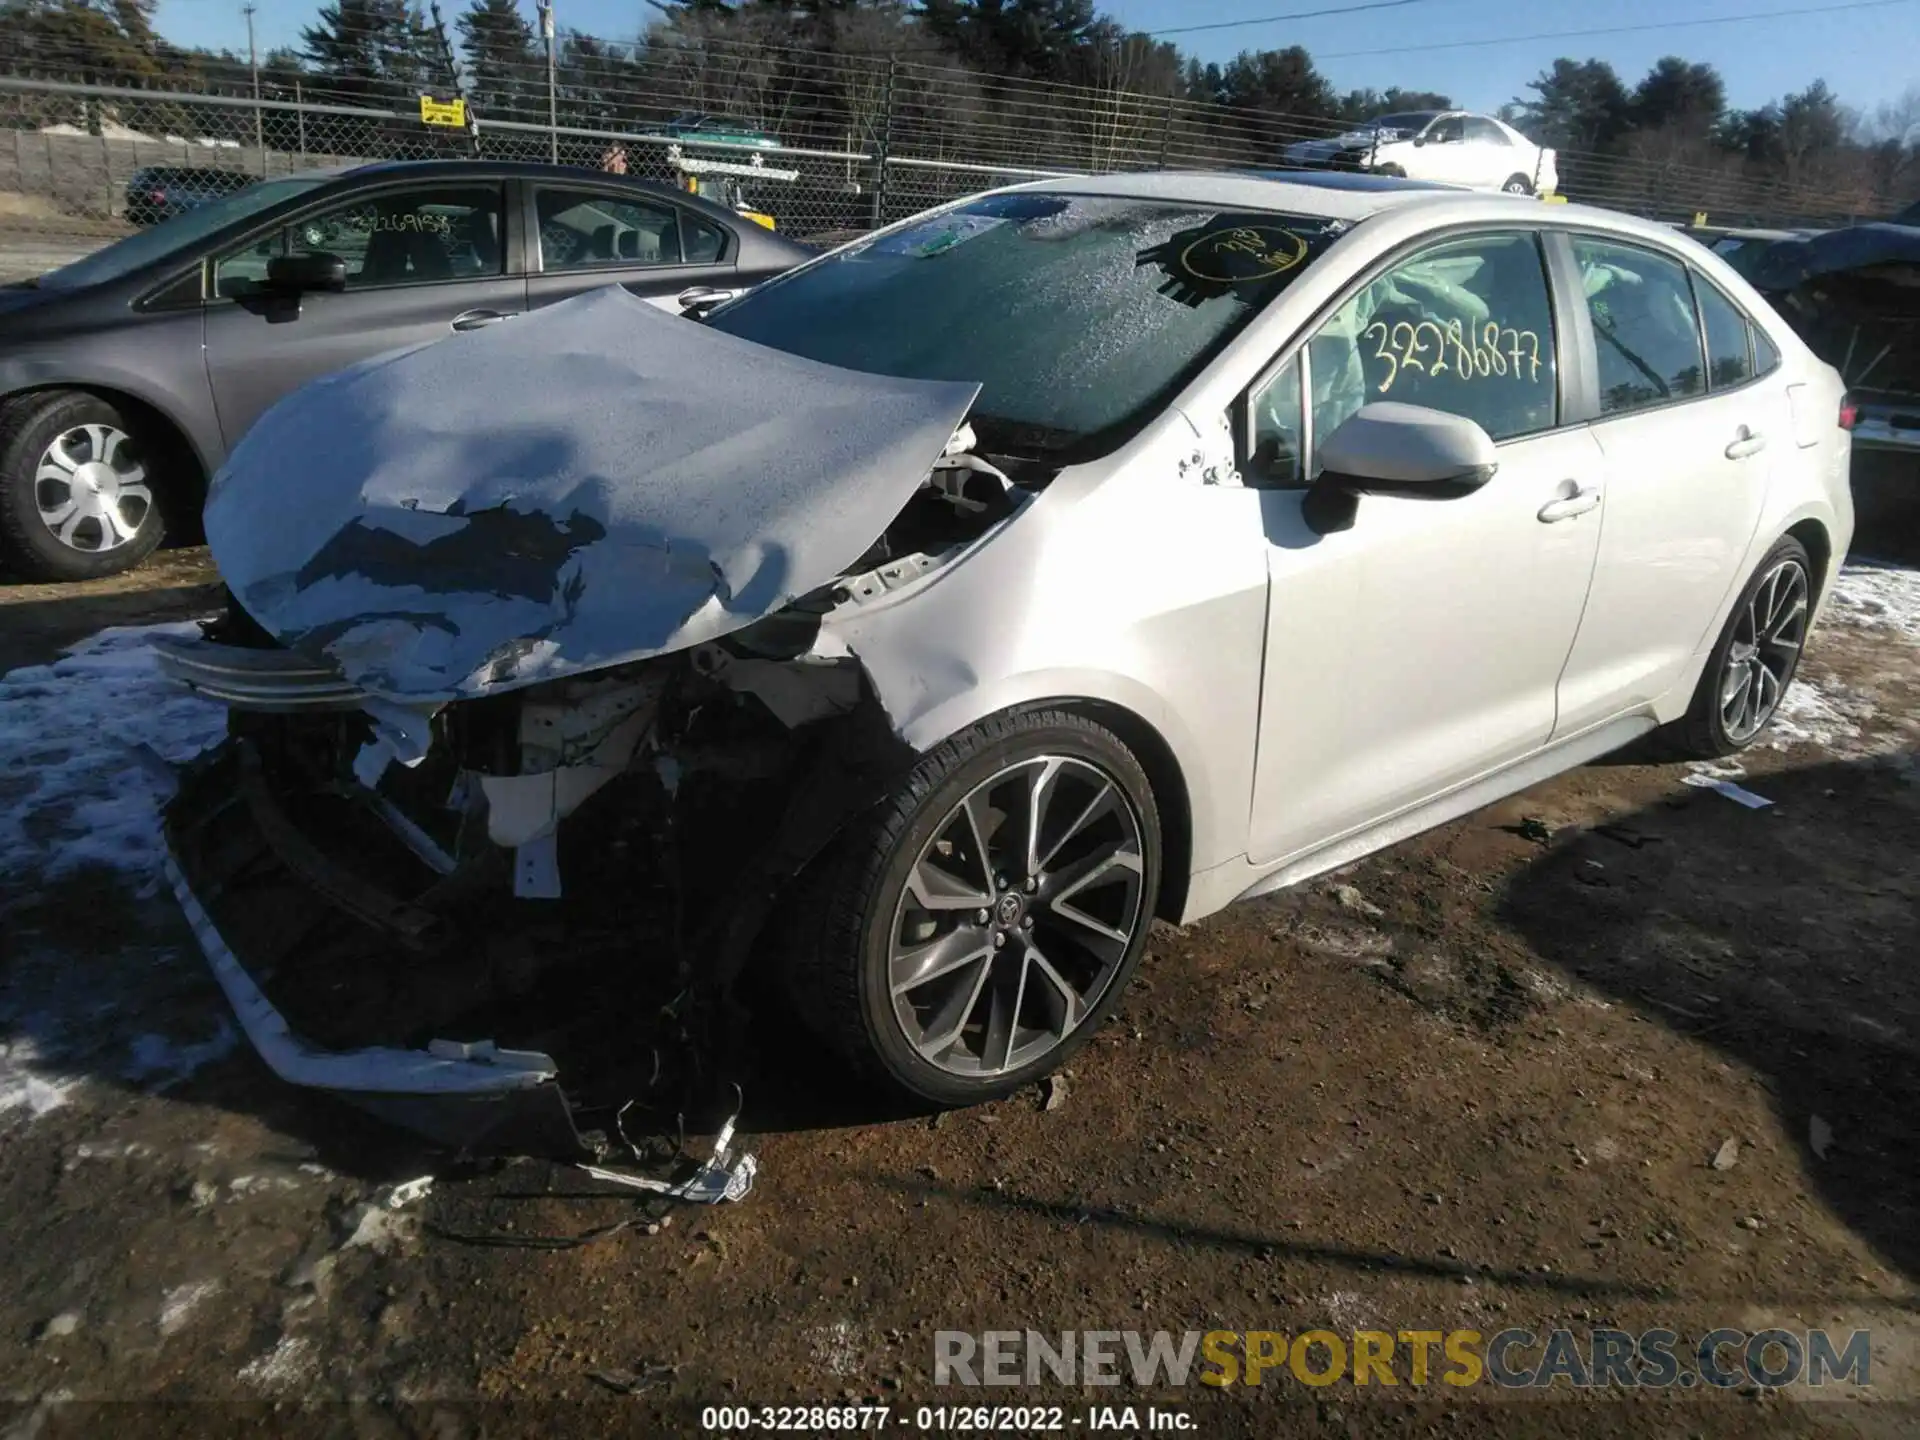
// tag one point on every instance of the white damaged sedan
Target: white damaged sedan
(929, 619)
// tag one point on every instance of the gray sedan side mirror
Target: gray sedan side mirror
(297, 274)
(1392, 449)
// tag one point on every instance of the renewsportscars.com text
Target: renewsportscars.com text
(1508, 1359)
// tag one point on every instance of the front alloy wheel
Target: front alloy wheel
(967, 935)
(1016, 917)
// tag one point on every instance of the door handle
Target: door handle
(1746, 443)
(1568, 506)
(476, 319)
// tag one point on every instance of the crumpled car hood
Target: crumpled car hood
(592, 483)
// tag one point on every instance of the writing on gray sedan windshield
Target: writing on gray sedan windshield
(1079, 315)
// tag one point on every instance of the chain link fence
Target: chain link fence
(826, 144)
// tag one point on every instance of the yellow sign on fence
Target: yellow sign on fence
(443, 112)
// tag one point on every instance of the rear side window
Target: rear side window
(583, 229)
(1729, 339)
(705, 243)
(1644, 326)
(1766, 355)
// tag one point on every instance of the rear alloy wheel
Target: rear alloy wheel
(976, 929)
(76, 495)
(1518, 185)
(1755, 659)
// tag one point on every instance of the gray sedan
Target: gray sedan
(126, 377)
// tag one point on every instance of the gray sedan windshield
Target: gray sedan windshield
(1079, 315)
(123, 257)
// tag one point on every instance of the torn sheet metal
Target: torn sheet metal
(596, 483)
(715, 1181)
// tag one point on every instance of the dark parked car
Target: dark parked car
(160, 192)
(127, 376)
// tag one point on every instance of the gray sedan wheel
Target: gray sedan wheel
(76, 494)
(971, 934)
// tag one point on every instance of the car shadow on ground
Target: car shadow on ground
(1783, 937)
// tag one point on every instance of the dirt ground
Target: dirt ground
(1478, 1081)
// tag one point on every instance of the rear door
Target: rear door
(583, 236)
(1691, 422)
(424, 261)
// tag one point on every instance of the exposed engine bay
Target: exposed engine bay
(435, 910)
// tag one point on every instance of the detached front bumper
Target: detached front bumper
(235, 862)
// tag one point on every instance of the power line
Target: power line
(1320, 55)
(1290, 15)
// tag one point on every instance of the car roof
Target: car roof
(1335, 195)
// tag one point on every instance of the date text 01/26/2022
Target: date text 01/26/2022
(945, 1419)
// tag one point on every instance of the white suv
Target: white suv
(1446, 145)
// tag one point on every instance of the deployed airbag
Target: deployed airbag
(592, 483)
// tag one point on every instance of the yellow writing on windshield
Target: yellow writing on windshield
(1470, 354)
(1246, 252)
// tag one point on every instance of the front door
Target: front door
(585, 237)
(1420, 648)
(423, 262)
(1688, 448)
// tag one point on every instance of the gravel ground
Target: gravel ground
(1478, 1081)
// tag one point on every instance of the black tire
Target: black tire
(1517, 185)
(1392, 172)
(28, 547)
(837, 947)
(1703, 734)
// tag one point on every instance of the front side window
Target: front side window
(396, 237)
(1465, 327)
(1729, 353)
(1276, 459)
(581, 229)
(1447, 129)
(1644, 326)
(1080, 316)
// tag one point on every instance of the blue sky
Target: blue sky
(1868, 56)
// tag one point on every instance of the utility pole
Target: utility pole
(253, 66)
(553, 101)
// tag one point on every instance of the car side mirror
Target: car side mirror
(1392, 449)
(298, 274)
(1419, 140)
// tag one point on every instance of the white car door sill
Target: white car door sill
(1462, 799)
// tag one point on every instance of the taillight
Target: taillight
(1849, 413)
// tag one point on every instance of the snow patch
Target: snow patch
(1810, 715)
(1883, 596)
(289, 1363)
(178, 1304)
(25, 1083)
(74, 789)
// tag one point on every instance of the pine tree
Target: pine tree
(498, 44)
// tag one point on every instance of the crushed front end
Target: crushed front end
(432, 940)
